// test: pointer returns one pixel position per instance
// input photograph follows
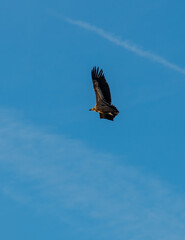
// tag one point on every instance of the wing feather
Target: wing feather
(100, 85)
(106, 116)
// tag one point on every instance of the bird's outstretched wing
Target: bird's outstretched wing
(100, 85)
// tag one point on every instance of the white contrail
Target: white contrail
(125, 44)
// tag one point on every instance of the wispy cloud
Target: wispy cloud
(125, 44)
(79, 185)
(122, 43)
(14, 194)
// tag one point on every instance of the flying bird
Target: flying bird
(103, 97)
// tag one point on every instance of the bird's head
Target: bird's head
(92, 109)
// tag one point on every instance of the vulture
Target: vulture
(103, 97)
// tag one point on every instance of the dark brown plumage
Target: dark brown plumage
(103, 97)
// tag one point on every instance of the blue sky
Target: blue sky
(66, 174)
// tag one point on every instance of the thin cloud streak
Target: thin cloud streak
(125, 44)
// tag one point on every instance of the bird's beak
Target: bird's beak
(90, 109)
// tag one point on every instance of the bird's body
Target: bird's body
(103, 97)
